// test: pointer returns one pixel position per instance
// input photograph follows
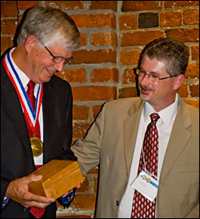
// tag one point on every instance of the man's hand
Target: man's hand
(18, 191)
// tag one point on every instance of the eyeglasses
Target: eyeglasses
(152, 77)
(58, 59)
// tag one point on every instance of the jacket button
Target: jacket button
(117, 203)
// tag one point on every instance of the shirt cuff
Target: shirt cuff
(5, 201)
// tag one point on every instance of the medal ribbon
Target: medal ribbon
(24, 100)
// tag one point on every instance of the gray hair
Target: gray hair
(173, 52)
(50, 26)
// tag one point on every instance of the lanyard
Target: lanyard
(24, 100)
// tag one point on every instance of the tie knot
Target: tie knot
(154, 117)
(31, 85)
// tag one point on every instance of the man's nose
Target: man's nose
(145, 79)
(60, 66)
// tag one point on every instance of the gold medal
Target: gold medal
(36, 146)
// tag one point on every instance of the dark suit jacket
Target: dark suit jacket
(16, 155)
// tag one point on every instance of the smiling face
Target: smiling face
(162, 93)
(39, 65)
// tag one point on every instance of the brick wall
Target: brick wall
(113, 34)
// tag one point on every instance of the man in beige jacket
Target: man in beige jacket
(115, 140)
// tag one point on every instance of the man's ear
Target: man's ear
(29, 42)
(178, 81)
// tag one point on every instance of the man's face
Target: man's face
(158, 94)
(42, 66)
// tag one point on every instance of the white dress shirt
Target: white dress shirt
(164, 126)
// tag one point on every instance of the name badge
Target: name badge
(146, 185)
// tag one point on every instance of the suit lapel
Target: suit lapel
(10, 99)
(130, 130)
(178, 140)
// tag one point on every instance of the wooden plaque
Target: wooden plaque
(59, 177)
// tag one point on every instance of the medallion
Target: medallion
(36, 146)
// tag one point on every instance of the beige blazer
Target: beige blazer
(110, 142)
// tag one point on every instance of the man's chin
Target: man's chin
(144, 96)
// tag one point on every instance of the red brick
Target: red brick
(110, 5)
(140, 37)
(94, 93)
(80, 112)
(94, 170)
(183, 92)
(73, 75)
(193, 102)
(128, 22)
(174, 4)
(66, 5)
(80, 129)
(195, 52)
(194, 90)
(191, 16)
(94, 56)
(23, 5)
(184, 34)
(140, 5)
(104, 75)
(104, 38)
(95, 110)
(84, 201)
(128, 92)
(94, 20)
(8, 27)
(192, 71)
(84, 186)
(9, 9)
(170, 18)
(129, 57)
(83, 39)
(6, 42)
(129, 76)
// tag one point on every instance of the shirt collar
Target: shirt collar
(23, 77)
(167, 115)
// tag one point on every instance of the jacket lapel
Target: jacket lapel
(10, 99)
(178, 139)
(130, 130)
